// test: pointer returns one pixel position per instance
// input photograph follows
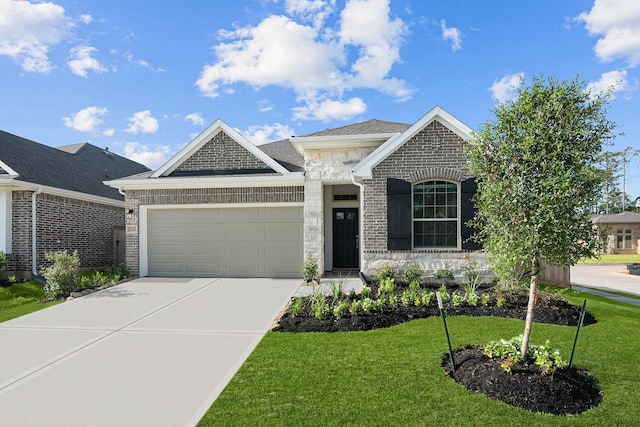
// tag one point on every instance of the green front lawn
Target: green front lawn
(392, 376)
(22, 298)
(609, 259)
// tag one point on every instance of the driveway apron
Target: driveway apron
(150, 352)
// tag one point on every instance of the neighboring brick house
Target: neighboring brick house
(356, 198)
(54, 199)
(622, 231)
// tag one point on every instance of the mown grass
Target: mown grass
(22, 298)
(393, 376)
(610, 259)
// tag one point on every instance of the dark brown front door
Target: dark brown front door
(345, 238)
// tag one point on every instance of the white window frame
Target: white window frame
(456, 219)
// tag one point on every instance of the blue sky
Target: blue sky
(144, 77)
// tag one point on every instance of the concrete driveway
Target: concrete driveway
(150, 352)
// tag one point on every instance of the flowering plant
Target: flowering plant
(501, 301)
(510, 352)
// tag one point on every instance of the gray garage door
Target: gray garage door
(225, 242)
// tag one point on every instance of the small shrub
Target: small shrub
(484, 299)
(120, 272)
(444, 275)
(61, 275)
(366, 292)
(414, 286)
(297, 307)
(354, 307)
(457, 299)
(426, 298)
(501, 301)
(341, 309)
(3, 262)
(472, 299)
(444, 294)
(393, 301)
(387, 286)
(378, 305)
(511, 353)
(386, 272)
(13, 279)
(412, 273)
(310, 269)
(367, 305)
(407, 298)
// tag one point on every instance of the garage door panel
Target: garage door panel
(234, 242)
(204, 231)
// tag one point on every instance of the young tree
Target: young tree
(536, 166)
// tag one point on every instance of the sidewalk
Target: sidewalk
(604, 279)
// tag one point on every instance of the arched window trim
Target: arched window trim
(457, 219)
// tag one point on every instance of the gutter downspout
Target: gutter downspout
(360, 225)
(34, 249)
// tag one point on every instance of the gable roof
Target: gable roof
(204, 137)
(79, 167)
(625, 217)
(365, 167)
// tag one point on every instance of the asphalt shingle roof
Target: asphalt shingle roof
(78, 167)
(363, 128)
(619, 218)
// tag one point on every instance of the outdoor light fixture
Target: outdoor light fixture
(130, 211)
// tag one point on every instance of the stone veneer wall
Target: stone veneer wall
(324, 165)
(221, 153)
(63, 223)
(249, 195)
(435, 152)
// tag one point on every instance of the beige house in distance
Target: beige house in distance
(622, 230)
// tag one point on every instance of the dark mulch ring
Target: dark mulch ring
(561, 313)
(566, 391)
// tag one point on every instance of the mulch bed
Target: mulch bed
(566, 391)
(561, 313)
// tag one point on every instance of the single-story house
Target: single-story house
(621, 231)
(356, 197)
(54, 199)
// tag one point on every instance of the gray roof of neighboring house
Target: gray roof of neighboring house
(619, 218)
(78, 167)
(284, 153)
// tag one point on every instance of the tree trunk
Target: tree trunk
(528, 323)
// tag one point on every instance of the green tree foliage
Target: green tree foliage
(536, 165)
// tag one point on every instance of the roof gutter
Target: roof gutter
(34, 249)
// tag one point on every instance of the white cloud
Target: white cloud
(86, 120)
(617, 22)
(505, 89)
(264, 106)
(315, 11)
(109, 132)
(81, 61)
(142, 122)
(267, 133)
(152, 157)
(452, 35)
(195, 119)
(615, 80)
(28, 30)
(329, 109)
(86, 19)
(312, 60)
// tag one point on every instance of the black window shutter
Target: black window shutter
(468, 189)
(399, 219)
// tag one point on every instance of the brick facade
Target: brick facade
(63, 223)
(433, 153)
(135, 199)
(221, 153)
